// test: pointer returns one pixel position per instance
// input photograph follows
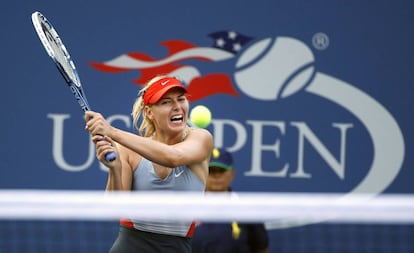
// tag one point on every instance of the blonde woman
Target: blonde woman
(166, 155)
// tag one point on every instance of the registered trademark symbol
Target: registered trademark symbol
(320, 41)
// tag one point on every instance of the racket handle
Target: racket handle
(110, 156)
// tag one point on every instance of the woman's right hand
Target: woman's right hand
(105, 145)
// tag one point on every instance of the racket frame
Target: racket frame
(44, 29)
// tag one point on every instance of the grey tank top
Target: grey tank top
(180, 179)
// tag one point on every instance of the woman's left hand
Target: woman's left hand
(97, 125)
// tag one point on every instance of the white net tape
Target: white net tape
(275, 208)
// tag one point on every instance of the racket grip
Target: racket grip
(110, 156)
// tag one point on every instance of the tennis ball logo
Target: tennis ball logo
(200, 116)
(274, 68)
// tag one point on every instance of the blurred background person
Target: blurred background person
(232, 236)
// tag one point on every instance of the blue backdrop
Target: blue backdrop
(311, 96)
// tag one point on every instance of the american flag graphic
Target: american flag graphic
(226, 45)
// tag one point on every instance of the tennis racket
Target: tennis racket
(60, 56)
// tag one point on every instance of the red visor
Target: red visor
(159, 88)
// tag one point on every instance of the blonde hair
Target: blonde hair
(146, 128)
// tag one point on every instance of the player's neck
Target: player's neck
(169, 139)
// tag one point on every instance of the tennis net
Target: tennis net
(87, 221)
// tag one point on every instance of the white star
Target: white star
(220, 42)
(232, 35)
(237, 47)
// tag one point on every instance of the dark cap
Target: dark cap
(222, 159)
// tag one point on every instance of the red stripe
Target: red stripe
(191, 230)
(211, 84)
(127, 223)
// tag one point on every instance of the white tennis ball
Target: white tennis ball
(200, 116)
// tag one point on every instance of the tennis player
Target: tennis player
(166, 155)
(233, 236)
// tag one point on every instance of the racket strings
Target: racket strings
(63, 58)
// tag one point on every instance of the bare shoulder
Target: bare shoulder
(200, 132)
(201, 135)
